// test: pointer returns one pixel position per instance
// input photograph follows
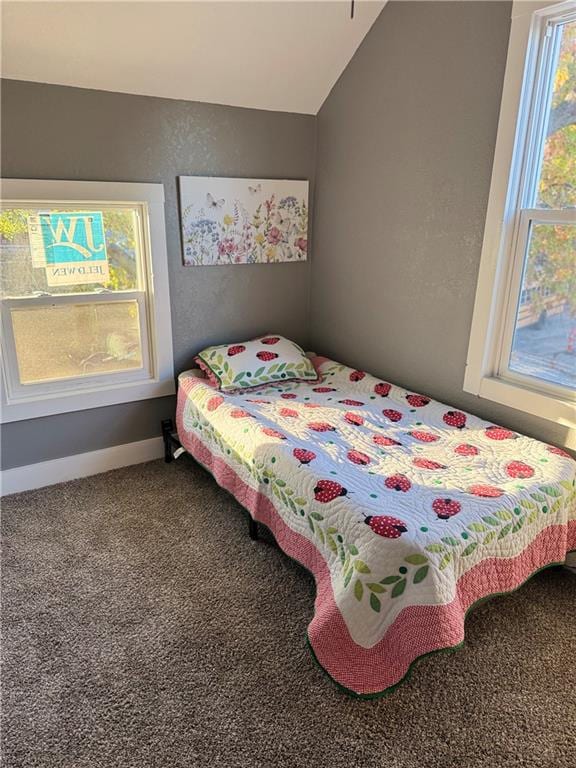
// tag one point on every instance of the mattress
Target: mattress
(406, 511)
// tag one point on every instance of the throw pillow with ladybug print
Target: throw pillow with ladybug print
(269, 359)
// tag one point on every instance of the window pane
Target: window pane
(544, 343)
(557, 184)
(70, 340)
(66, 250)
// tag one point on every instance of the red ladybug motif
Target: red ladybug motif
(289, 413)
(323, 389)
(384, 440)
(288, 396)
(427, 464)
(382, 388)
(321, 426)
(417, 401)
(214, 402)
(486, 491)
(257, 400)
(499, 433)
(357, 457)
(354, 418)
(465, 449)
(236, 349)
(455, 419)
(424, 437)
(446, 508)
(273, 433)
(351, 402)
(328, 490)
(270, 340)
(239, 413)
(386, 526)
(266, 356)
(357, 375)
(398, 483)
(518, 469)
(303, 456)
(391, 414)
(558, 451)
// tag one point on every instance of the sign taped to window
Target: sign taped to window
(36, 241)
(73, 245)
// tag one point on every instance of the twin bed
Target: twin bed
(406, 511)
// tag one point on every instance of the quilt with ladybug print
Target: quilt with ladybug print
(406, 511)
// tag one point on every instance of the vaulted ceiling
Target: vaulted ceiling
(266, 54)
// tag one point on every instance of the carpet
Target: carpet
(143, 628)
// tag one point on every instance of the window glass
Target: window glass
(544, 342)
(64, 250)
(63, 341)
(557, 182)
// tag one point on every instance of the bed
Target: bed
(406, 511)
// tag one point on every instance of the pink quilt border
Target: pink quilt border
(417, 630)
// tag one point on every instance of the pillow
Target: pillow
(265, 360)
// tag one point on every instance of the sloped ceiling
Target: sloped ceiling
(264, 54)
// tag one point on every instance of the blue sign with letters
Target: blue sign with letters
(74, 247)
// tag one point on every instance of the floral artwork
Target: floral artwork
(243, 221)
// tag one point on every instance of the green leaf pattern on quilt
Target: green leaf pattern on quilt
(547, 500)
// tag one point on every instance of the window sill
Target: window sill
(549, 407)
(21, 409)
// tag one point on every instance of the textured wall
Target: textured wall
(405, 148)
(54, 132)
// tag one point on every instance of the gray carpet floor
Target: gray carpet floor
(142, 627)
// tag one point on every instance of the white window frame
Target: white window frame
(520, 129)
(156, 376)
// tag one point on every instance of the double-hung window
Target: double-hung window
(84, 296)
(523, 344)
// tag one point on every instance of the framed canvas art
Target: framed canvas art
(243, 221)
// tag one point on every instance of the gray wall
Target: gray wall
(54, 132)
(405, 147)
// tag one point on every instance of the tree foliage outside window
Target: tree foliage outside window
(552, 258)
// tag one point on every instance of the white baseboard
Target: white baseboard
(79, 465)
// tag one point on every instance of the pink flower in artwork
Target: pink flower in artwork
(226, 247)
(274, 236)
(301, 243)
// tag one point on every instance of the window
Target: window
(523, 344)
(84, 294)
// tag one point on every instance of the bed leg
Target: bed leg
(167, 427)
(253, 529)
